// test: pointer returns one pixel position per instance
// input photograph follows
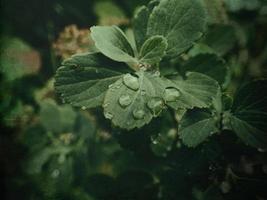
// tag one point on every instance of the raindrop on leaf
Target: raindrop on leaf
(55, 173)
(157, 73)
(131, 82)
(125, 100)
(155, 105)
(171, 94)
(139, 114)
(108, 115)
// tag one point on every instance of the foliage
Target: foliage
(169, 105)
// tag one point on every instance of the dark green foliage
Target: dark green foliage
(171, 105)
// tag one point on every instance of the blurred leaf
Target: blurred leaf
(237, 5)
(221, 38)
(196, 126)
(208, 64)
(18, 59)
(216, 11)
(109, 13)
(248, 115)
(57, 119)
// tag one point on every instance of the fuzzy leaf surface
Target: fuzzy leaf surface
(112, 42)
(153, 50)
(180, 22)
(249, 114)
(137, 112)
(84, 79)
(196, 126)
(209, 64)
(196, 90)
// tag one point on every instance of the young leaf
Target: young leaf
(112, 42)
(153, 50)
(140, 26)
(249, 114)
(133, 100)
(196, 90)
(180, 22)
(84, 79)
(140, 21)
(196, 126)
(209, 64)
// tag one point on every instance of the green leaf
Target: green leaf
(134, 100)
(209, 64)
(153, 50)
(196, 90)
(221, 38)
(180, 22)
(248, 116)
(112, 42)
(196, 126)
(18, 59)
(234, 5)
(216, 12)
(109, 13)
(140, 26)
(140, 21)
(84, 79)
(57, 119)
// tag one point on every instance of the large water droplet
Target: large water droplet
(83, 108)
(157, 73)
(131, 82)
(125, 100)
(155, 105)
(138, 114)
(55, 173)
(171, 94)
(106, 105)
(108, 115)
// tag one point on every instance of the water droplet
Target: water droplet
(155, 105)
(225, 187)
(96, 71)
(143, 92)
(83, 108)
(131, 82)
(139, 114)
(108, 115)
(157, 73)
(110, 86)
(169, 148)
(155, 142)
(55, 173)
(154, 139)
(143, 68)
(262, 150)
(106, 105)
(125, 100)
(171, 94)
